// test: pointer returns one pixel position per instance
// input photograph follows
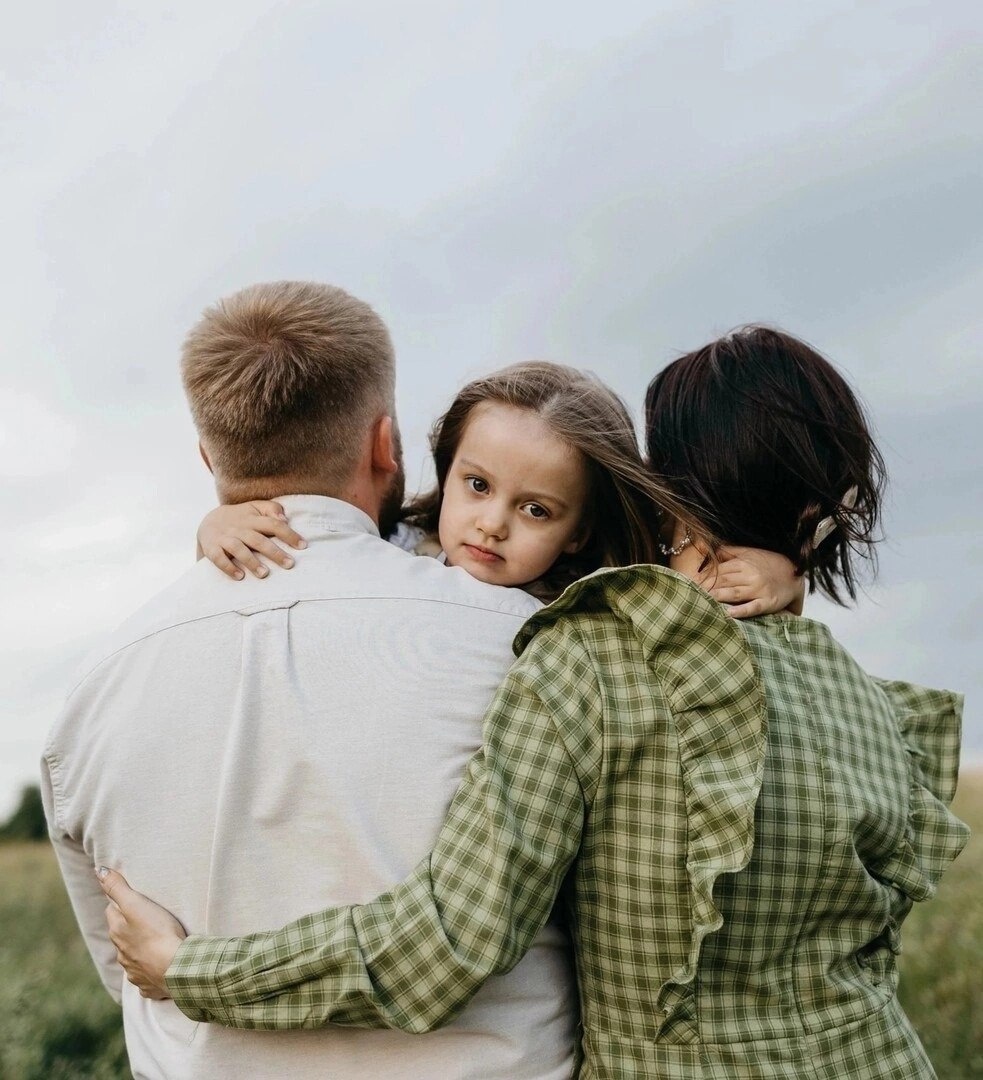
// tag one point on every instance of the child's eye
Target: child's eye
(534, 510)
(476, 484)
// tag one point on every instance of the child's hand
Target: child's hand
(749, 581)
(231, 536)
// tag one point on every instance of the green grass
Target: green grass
(942, 961)
(58, 1023)
(56, 1020)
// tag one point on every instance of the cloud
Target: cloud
(605, 188)
(35, 439)
(110, 532)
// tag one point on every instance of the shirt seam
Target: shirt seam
(53, 763)
(273, 606)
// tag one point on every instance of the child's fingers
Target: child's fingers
(245, 557)
(708, 578)
(268, 508)
(731, 594)
(736, 567)
(734, 572)
(224, 563)
(262, 546)
(746, 611)
(280, 529)
(748, 579)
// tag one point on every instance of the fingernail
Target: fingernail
(262, 572)
(288, 563)
(302, 544)
(102, 872)
(238, 575)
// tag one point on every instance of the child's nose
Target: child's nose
(492, 522)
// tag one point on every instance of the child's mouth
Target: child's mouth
(482, 554)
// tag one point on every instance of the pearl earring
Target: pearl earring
(684, 543)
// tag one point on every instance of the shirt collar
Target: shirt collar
(315, 516)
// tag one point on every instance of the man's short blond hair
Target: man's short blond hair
(285, 379)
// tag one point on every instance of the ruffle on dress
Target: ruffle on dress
(930, 722)
(695, 652)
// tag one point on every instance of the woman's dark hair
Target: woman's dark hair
(624, 498)
(764, 440)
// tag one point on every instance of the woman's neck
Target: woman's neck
(689, 554)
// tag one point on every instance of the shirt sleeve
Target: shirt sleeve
(88, 900)
(413, 958)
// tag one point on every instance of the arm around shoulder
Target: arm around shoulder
(413, 958)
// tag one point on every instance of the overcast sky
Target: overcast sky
(592, 184)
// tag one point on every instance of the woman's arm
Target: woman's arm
(413, 958)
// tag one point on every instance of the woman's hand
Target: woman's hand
(749, 581)
(146, 935)
(232, 536)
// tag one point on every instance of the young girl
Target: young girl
(539, 482)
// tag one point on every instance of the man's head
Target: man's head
(291, 385)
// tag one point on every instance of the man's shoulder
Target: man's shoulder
(427, 579)
(345, 570)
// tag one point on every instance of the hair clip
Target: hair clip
(828, 524)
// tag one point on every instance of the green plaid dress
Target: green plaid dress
(621, 773)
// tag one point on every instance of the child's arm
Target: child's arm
(231, 536)
(750, 581)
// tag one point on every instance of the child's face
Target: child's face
(514, 497)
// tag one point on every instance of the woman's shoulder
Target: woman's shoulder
(656, 603)
(679, 634)
(653, 643)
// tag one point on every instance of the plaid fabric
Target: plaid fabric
(621, 772)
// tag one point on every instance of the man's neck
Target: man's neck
(277, 487)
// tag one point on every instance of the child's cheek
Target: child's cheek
(443, 530)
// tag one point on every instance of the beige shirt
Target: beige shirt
(245, 752)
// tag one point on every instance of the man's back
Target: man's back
(246, 752)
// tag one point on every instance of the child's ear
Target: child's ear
(577, 543)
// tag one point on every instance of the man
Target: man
(249, 751)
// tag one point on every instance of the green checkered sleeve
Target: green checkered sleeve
(413, 958)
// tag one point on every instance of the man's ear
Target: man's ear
(385, 446)
(204, 457)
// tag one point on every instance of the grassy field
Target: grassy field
(56, 1020)
(57, 1023)
(942, 962)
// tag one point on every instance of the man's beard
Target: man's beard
(391, 510)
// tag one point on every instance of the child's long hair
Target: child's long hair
(770, 448)
(624, 501)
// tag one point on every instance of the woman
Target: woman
(621, 773)
(764, 440)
